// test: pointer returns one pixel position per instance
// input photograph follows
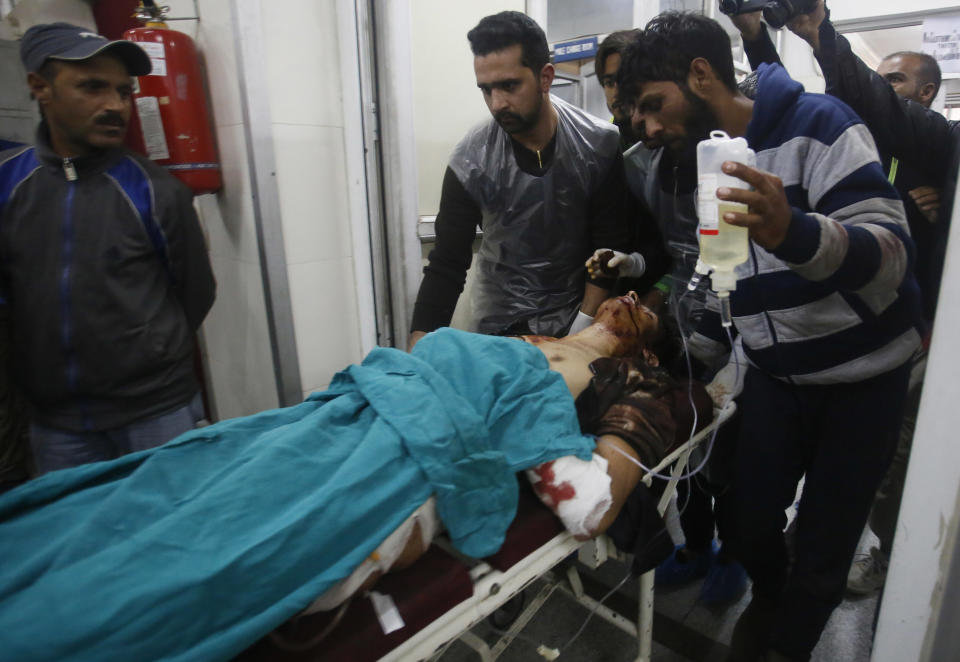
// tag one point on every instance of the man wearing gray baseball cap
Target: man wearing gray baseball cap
(103, 266)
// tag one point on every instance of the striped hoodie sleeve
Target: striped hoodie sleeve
(856, 238)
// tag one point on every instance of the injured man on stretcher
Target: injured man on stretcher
(196, 549)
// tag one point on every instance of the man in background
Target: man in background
(606, 65)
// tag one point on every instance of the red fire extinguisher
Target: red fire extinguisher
(171, 121)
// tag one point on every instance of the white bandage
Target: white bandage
(577, 491)
(383, 558)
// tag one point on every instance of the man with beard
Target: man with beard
(826, 306)
(918, 172)
(102, 261)
(543, 180)
(663, 177)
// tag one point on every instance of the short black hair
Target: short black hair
(669, 43)
(929, 68)
(508, 28)
(615, 42)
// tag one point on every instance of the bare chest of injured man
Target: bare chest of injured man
(622, 327)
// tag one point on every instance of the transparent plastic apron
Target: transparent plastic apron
(536, 230)
(677, 219)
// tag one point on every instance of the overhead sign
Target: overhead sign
(941, 39)
(575, 49)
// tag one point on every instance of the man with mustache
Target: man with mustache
(543, 180)
(103, 265)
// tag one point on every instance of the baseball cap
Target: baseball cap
(63, 41)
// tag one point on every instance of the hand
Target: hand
(607, 263)
(769, 213)
(414, 338)
(807, 26)
(928, 200)
(749, 25)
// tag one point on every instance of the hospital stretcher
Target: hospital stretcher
(443, 594)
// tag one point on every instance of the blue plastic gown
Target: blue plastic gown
(196, 549)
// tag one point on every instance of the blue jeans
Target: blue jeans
(59, 449)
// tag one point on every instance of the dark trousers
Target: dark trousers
(706, 499)
(886, 504)
(840, 436)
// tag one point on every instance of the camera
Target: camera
(775, 12)
(734, 7)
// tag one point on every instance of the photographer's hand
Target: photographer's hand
(807, 26)
(749, 25)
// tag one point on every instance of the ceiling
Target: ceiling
(872, 46)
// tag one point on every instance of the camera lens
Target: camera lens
(777, 13)
(729, 7)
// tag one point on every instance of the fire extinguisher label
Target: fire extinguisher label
(154, 138)
(158, 54)
(158, 67)
(154, 49)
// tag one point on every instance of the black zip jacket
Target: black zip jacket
(105, 270)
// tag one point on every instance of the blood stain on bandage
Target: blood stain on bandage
(547, 489)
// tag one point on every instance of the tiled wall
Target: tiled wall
(235, 335)
(308, 140)
(306, 107)
(445, 95)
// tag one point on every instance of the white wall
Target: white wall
(27, 13)
(307, 127)
(445, 95)
(308, 131)
(234, 337)
(847, 9)
(926, 543)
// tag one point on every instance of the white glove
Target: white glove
(583, 321)
(627, 266)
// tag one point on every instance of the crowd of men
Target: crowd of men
(847, 212)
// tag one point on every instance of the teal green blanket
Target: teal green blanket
(196, 549)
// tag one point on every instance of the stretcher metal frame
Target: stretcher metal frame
(492, 588)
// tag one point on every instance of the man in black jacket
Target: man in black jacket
(102, 261)
(919, 147)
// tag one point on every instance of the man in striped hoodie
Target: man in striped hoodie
(826, 305)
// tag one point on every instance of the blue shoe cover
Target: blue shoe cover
(674, 572)
(725, 582)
